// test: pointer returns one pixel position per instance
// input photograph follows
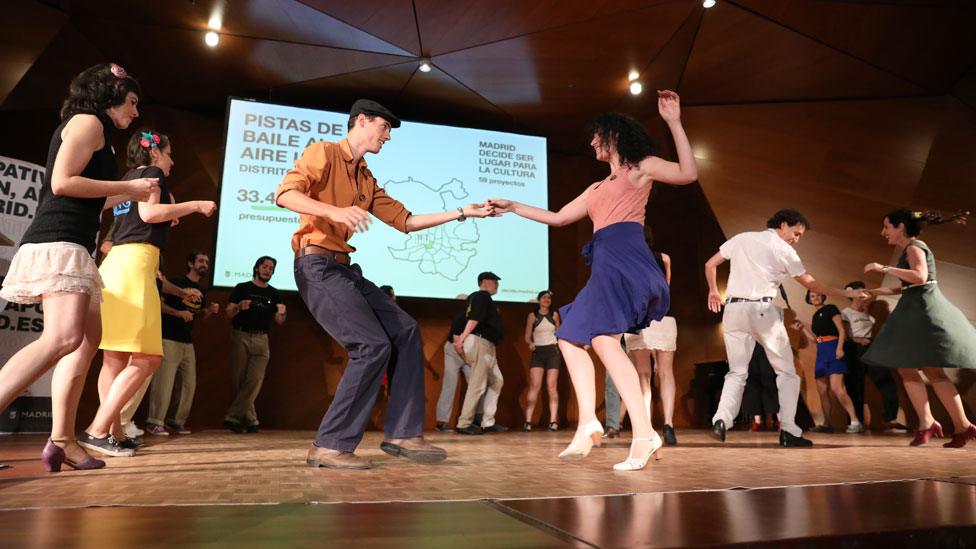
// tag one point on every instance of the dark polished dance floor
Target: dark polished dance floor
(218, 489)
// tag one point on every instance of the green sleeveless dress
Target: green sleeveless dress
(925, 329)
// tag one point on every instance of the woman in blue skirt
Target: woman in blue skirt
(626, 289)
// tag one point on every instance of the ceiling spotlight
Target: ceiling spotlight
(632, 75)
(424, 64)
(211, 38)
(214, 23)
(636, 87)
(708, 3)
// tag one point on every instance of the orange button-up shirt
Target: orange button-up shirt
(328, 173)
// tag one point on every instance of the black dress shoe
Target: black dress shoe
(252, 428)
(787, 440)
(669, 438)
(611, 432)
(718, 430)
(822, 429)
(469, 430)
(496, 428)
(234, 426)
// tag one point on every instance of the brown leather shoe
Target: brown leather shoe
(416, 448)
(335, 459)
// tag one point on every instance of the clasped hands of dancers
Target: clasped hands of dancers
(333, 190)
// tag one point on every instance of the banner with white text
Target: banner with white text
(20, 183)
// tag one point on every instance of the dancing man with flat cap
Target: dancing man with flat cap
(333, 191)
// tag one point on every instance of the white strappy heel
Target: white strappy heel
(588, 436)
(638, 463)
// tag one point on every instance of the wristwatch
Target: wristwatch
(461, 216)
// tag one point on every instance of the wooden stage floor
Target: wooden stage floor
(509, 490)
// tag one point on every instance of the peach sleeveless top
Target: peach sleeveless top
(615, 200)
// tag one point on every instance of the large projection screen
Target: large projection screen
(428, 167)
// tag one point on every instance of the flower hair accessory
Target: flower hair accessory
(118, 71)
(149, 140)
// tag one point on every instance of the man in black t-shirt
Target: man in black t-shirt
(178, 353)
(454, 364)
(252, 306)
(476, 345)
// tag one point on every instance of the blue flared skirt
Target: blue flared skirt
(626, 289)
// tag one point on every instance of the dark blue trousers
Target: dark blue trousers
(374, 331)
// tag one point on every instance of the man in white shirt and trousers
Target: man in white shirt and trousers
(759, 262)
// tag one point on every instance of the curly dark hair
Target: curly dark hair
(790, 217)
(138, 155)
(915, 220)
(625, 134)
(96, 89)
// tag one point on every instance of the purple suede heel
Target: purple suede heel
(53, 457)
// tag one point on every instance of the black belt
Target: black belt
(744, 300)
(251, 332)
(338, 257)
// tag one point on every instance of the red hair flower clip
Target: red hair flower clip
(149, 140)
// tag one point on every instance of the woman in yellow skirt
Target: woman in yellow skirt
(132, 338)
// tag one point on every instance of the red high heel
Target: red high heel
(960, 440)
(923, 435)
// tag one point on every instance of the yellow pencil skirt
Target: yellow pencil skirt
(131, 315)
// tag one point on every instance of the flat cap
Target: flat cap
(368, 106)
(488, 275)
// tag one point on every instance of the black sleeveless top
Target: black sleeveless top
(68, 218)
(129, 227)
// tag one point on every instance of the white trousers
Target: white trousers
(452, 366)
(745, 325)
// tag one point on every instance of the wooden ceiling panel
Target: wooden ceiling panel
(965, 88)
(391, 20)
(562, 70)
(337, 93)
(742, 57)
(456, 104)
(450, 26)
(664, 70)
(45, 84)
(283, 20)
(929, 45)
(541, 67)
(237, 66)
(25, 31)
(290, 20)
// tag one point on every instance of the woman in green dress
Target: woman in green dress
(925, 332)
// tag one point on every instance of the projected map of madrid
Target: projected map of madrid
(445, 250)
